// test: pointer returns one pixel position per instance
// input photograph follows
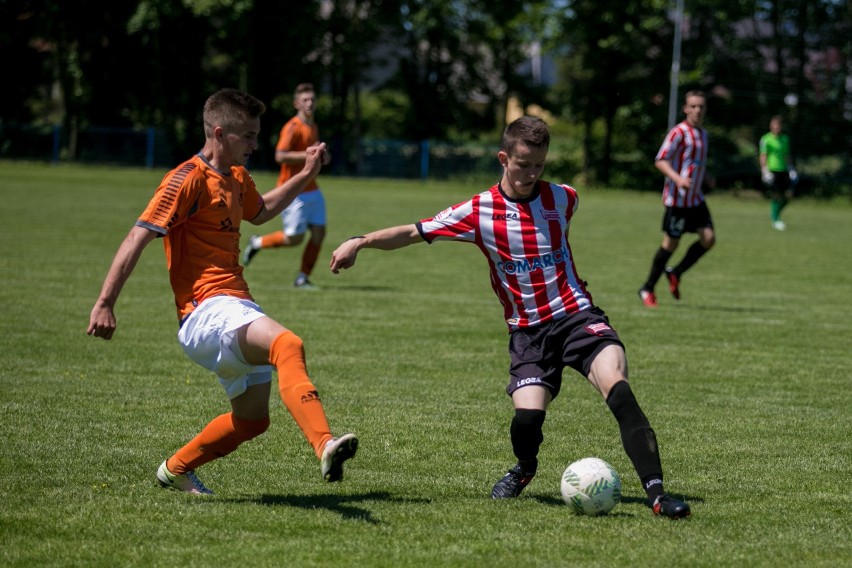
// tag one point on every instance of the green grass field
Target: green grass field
(746, 381)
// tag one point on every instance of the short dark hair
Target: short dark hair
(228, 108)
(303, 88)
(530, 130)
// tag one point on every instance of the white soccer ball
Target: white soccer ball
(591, 487)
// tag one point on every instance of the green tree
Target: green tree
(765, 57)
(75, 58)
(459, 62)
(345, 54)
(613, 63)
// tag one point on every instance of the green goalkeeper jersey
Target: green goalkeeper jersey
(777, 149)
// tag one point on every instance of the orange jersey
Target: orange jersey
(296, 136)
(198, 210)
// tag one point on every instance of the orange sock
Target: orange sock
(273, 240)
(219, 438)
(309, 257)
(297, 391)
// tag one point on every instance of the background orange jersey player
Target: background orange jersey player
(308, 209)
(197, 209)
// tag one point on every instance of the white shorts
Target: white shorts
(306, 210)
(209, 337)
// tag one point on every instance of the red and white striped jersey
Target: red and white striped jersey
(685, 147)
(525, 243)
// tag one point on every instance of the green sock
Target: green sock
(775, 210)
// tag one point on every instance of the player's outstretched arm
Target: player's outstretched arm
(276, 200)
(384, 239)
(102, 318)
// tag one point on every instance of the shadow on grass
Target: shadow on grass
(344, 505)
(356, 288)
(555, 501)
(732, 308)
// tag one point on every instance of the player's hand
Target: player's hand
(101, 322)
(768, 177)
(794, 175)
(344, 256)
(314, 157)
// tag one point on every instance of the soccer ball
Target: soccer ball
(591, 487)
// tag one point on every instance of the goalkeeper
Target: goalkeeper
(777, 170)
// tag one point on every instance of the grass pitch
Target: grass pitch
(746, 381)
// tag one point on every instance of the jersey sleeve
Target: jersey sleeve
(288, 138)
(573, 202)
(670, 144)
(175, 199)
(453, 223)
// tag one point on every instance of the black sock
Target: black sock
(527, 436)
(658, 265)
(638, 438)
(695, 252)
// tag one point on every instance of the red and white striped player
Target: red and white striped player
(521, 226)
(682, 158)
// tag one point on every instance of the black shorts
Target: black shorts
(780, 182)
(680, 220)
(539, 354)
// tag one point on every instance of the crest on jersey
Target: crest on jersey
(550, 215)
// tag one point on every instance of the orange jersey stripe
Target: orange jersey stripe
(198, 210)
(161, 214)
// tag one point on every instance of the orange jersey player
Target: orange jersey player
(202, 253)
(197, 209)
(297, 135)
(308, 210)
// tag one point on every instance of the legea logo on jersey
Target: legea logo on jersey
(505, 217)
(539, 262)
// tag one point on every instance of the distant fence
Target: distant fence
(147, 147)
(424, 159)
(150, 148)
(825, 176)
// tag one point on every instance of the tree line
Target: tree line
(440, 69)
